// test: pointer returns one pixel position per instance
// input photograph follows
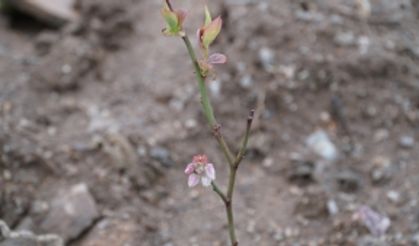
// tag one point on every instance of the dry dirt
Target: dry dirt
(109, 107)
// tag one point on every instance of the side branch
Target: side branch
(219, 192)
(245, 140)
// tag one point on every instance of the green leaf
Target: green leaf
(172, 21)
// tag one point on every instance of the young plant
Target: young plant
(200, 170)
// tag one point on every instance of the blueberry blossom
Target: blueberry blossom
(199, 170)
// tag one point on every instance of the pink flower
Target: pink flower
(199, 170)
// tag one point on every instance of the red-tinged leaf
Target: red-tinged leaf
(217, 58)
(211, 32)
(181, 14)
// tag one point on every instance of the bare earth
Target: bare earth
(99, 119)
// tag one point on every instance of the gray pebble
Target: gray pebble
(406, 142)
(162, 155)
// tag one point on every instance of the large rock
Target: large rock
(71, 212)
(26, 238)
(67, 61)
(114, 232)
(53, 12)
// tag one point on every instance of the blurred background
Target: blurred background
(99, 115)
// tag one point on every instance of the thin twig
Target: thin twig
(245, 140)
(219, 192)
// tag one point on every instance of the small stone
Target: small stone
(279, 236)
(394, 196)
(320, 143)
(266, 57)
(268, 162)
(66, 69)
(325, 117)
(332, 207)
(381, 135)
(291, 232)
(303, 75)
(142, 151)
(382, 171)
(363, 45)
(345, 38)
(371, 111)
(246, 81)
(177, 104)
(162, 155)
(215, 87)
(288, 71)
(296, 191)
(71, 212)
(191, 123)
(379, 176)
(407, 142)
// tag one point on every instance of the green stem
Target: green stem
(229, 205)
(208, 111)
(206, 104)
(231, 229)
(219, 192)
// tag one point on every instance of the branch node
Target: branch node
(216, 130)
(251, 116)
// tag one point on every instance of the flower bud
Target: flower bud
(174, 21)
(208, 33)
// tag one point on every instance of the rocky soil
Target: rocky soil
(99, 117)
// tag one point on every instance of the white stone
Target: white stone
(320, 143)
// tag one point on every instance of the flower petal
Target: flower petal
(200, 159)
(193, 180)
(206, 181)
(210, 171)
(190, 168)
(217, 58)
